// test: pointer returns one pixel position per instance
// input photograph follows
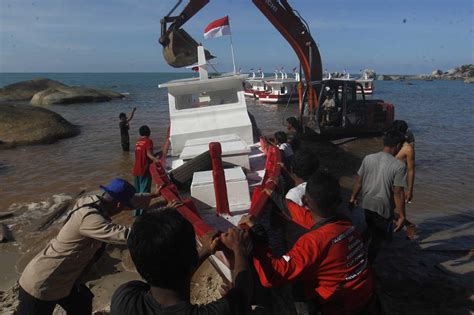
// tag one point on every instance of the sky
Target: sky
(395, 37)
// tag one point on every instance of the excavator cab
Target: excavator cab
(179, 49)
(341, 113)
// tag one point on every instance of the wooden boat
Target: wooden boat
(366, 83)
(211, 128)
(255, 85)
(282, 89)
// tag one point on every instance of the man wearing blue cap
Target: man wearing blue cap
(52, 276)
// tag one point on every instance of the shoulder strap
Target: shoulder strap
(92, 205)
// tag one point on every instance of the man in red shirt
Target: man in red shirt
(329, 261)
(143, 158)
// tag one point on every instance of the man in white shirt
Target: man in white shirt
(305, 163)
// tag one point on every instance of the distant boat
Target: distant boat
(255, 84)
(366, 83)
(282, 89)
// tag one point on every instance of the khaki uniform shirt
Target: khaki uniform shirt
(53, 272)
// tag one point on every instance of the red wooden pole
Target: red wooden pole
(220, 187)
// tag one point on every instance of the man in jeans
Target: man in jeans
(381, 180)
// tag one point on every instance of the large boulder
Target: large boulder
(44, 91)
(71, 94)
(24, 124)
(24, 90)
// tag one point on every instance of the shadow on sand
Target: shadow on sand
(433, 274)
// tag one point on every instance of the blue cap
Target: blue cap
(120, 190)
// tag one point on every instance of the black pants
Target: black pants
(379, 230)
(78, 302)
(126, 146)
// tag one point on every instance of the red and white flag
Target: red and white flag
(217, 28)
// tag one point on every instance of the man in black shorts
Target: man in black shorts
(163, 247)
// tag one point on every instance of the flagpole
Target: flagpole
(232, 49)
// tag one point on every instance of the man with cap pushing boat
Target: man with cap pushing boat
(52, 276)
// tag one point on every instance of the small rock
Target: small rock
(5, 234)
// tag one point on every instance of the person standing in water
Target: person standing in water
(407, 156)
(143, 158)
(124, 127)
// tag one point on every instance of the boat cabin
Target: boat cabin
(204, 108)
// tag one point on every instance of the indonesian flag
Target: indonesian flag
(217, 28)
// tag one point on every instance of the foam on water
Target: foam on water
(36, 210)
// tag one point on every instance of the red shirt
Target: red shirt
(330, 261)
(141, 160)
(300, 214)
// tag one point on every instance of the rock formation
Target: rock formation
(464, 72)
(24, 90)
(70, 95)
(24, 124)
(44, 91)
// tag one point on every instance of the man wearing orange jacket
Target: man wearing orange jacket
(329, 261)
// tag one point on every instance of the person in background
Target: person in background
(381, 180)
(163, 247)
(305, 163)
(143, 158)
(294, 133)
(329, 105)
(52, 277)
(407, 155)
(281, 141)
(328, 263)
(124, 127)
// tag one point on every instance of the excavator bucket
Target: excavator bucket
(181, 50)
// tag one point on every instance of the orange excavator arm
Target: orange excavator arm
(297, 34)
(282, 16)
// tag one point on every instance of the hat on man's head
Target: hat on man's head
(120, 190)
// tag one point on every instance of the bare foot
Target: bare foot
(411, 231)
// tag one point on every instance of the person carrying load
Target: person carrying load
(52, 277)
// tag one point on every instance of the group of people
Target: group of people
(328, 267)
(144, 154)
